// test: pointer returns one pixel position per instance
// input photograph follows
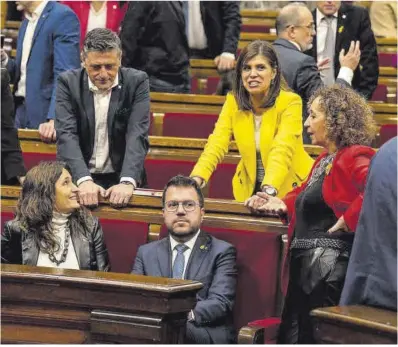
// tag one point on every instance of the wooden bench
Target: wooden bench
(167, 157)
(260, 243)
(354, 325)
(50, 305)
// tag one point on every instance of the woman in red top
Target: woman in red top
(323, 212)
(97, 14)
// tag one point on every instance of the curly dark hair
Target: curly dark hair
(348, 118)
(36, 204)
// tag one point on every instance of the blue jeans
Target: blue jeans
(157, 85)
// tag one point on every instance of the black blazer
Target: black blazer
(154, 40)
(12, 164)
(221, 21)
(128, 123)
(353, 23)
(18, 246)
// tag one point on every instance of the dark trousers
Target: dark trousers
(157, 85)
(302, 296)
(197, 335)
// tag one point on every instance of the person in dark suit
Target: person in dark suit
(213, 29)
(48, 44)
(295, 30)
(102, 122)
(153, 40)
(372, 271)
(323, 212)
(190, 253)
(348, 23)
(12, 166)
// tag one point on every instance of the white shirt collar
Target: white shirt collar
(95, 89)
(37, 12)
(320, 16)
(190, 243)
(296, 44)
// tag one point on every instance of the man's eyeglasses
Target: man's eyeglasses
(187, 205)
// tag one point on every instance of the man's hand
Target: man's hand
(119, 195)
(224, 63)
(351, 59)
(323, 64)
(88, 193)
(340, 225)
(47, 131)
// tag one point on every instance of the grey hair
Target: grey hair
(101, 40)
(289, 15)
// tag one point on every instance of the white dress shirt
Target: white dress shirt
(97, 19)
(345, 73)
(190, 244)
(100, 161)
(27, 45)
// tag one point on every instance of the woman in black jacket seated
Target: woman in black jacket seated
(50, 228)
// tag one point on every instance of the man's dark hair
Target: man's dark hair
(183, 181)
(101, 40)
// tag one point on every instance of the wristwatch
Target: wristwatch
(269, 190)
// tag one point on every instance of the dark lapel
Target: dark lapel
(30, 252)
(200, 251)
(42, 19)
(82, 248)
(164, 257)
(88, 107)
(314, 49)
(114, 104)
(341, 19)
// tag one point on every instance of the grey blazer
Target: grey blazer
(128, 123)
(212, 262)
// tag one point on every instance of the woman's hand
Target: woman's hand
(254, 202)
(198, 180)
(340, 225)
(265, 204)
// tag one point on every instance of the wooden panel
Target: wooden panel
(355, 325)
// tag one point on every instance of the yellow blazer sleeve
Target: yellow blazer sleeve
(285, 142)
(218, 141)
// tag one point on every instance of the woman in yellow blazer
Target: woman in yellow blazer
(266, 122)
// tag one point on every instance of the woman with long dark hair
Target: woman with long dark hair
(50, 227)
(265, 119)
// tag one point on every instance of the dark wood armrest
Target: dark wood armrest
(251, 335)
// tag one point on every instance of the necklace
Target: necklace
(320, 169)
(51, 256)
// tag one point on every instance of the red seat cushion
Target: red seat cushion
(271, 328)
(220, 185)
(122, 240)
(257, 262)
(160, 171)
(212, 83)
(190, 125)
(388, 59)
(32, 159)
(380, 94)
(387, 132)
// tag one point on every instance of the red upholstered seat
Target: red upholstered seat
(32, 159)
(220, 185)
(387, 132)
(190, 125)
(257, 260)
(160, 171)
(388, 59)
(122, 239)
(212, 83)
(380, 94)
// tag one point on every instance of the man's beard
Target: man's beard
(186, 235)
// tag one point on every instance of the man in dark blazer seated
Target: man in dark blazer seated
(347, 23)
(102, 122)
(190, 253)
(295, 30)
(12, 166)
